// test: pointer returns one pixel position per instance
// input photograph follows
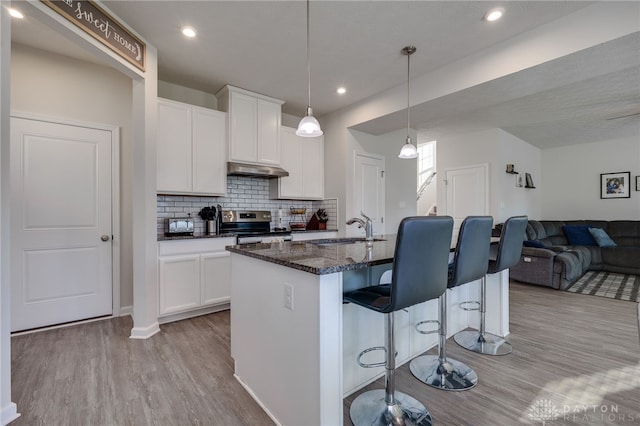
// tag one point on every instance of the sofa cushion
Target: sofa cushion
(535, 230)
(596, 257)
(602, 238)
(568, 267)
(579, 235)
(625, 233)
(554, 234)
(625, 260)
(533, 243)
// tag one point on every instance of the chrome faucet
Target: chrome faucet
(367, 224)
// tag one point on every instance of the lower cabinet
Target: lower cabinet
(193, 275)
(179, 278)
(215, 278)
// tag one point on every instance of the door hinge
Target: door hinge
(382, 174)
(381, 219)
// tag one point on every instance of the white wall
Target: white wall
(58, 86)
(509, 200)
(428, 199)
(401, 177)
(572, 180)
(189, 96)
(8, 409)
(497, 148)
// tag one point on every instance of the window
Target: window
(426, 161)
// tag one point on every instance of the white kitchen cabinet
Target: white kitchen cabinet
(303, 158)
(254, 126)
(193, 275)
(215, 273)
(179, 283)
(191, 149)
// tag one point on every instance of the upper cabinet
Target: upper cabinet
(303, 158)
(254, 126)
(191, 149)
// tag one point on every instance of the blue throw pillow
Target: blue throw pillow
(533, 243)
(602, 238)
(579, 235)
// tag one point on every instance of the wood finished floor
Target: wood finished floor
(568, 349)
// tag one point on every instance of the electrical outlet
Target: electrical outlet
(288, 296)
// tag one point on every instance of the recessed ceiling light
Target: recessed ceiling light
(494, 14)
(15, 13)
(188, 32)
(341, 90)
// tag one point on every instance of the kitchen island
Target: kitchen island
(295, 344)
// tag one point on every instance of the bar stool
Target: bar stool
(508, 254)
(469, 264)
(419, 274)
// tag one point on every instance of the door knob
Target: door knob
(105, 238)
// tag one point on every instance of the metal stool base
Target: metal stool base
(487, 344)
(451, 375)
(371, 409)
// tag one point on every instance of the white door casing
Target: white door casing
(62, 227)
(368, 191)
(467, 193)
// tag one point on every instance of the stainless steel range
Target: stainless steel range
(251, 226)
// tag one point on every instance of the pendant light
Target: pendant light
(408, 150)
(309, 126)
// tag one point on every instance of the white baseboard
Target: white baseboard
(126, 310)
(194, 313)
(9, 414)
(144, 332)
(255, 398)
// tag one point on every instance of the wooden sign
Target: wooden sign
(88, 16)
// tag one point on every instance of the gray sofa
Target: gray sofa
(559, 263)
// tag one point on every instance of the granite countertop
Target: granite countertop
(226, 235)
(321, 258)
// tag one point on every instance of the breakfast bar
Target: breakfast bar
(295, 343)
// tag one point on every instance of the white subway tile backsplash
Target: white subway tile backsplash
(244, 193)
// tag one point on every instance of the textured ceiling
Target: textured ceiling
(261, 46)
(561, 102)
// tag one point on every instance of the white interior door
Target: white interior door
(466, 193)
(61, 224)
(369, 191)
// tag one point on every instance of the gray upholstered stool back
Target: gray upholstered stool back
(472, 250)
(419, 268)
(510, 245)
(420, 260)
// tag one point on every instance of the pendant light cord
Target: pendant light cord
(408, 91)
(308, 63)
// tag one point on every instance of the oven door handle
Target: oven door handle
(275, 239)
(249, 240)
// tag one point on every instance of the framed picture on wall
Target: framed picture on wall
(615, 185)
(637, 183)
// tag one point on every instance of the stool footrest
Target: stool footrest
(470, 302)
(375, 364)
(428, 322)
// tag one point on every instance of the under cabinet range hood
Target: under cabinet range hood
(242, 169)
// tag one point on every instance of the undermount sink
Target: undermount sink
(340, 241)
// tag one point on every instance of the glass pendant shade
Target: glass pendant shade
(309, 126)
(408, 150)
